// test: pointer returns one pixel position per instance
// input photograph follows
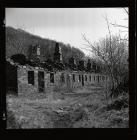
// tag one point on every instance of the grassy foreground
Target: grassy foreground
(86, 108)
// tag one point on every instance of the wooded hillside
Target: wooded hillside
(19, 41)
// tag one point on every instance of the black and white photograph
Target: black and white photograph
(67, 67)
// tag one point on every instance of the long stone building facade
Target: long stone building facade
(31, 79)
(38, 80)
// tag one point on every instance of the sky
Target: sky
(67, 25)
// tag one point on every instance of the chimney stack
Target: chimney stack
(72, 62)
(81, 65)
(88, 65)
(57, 54)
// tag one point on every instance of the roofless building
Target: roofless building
(28, 79)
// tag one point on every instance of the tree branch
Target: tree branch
(126, 11)
(95, 50)
(117, 25)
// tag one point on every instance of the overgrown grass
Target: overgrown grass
(88, 111)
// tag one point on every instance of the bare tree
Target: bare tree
(122, 28)
(110, 51)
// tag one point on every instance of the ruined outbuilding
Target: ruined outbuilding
(34, 79)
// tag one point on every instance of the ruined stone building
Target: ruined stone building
(29, 79)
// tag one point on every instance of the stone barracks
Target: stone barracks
(25, 79)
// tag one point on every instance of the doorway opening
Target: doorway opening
(82, 80)
(41, 81)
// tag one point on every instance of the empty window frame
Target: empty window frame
(85, 77)
(98, 78)
(73, 77)
(90, 78)
(31, 77)
(94, 78)
(80, 78)
(51, 77)
(62, 78)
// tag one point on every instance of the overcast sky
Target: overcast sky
(67, 24)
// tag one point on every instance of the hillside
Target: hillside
(19, 41)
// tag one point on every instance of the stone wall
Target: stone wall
(23, 86)
(58, 85)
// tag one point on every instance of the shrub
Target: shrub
(118, 103)
(19, 58)
(120, 88)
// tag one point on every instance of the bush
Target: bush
(119, 103)
(122, 87)
(19, 58)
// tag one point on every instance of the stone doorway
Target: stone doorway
(68, 81)
(41, 81)
(98, 78)
(11, 79)
(82, 80)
